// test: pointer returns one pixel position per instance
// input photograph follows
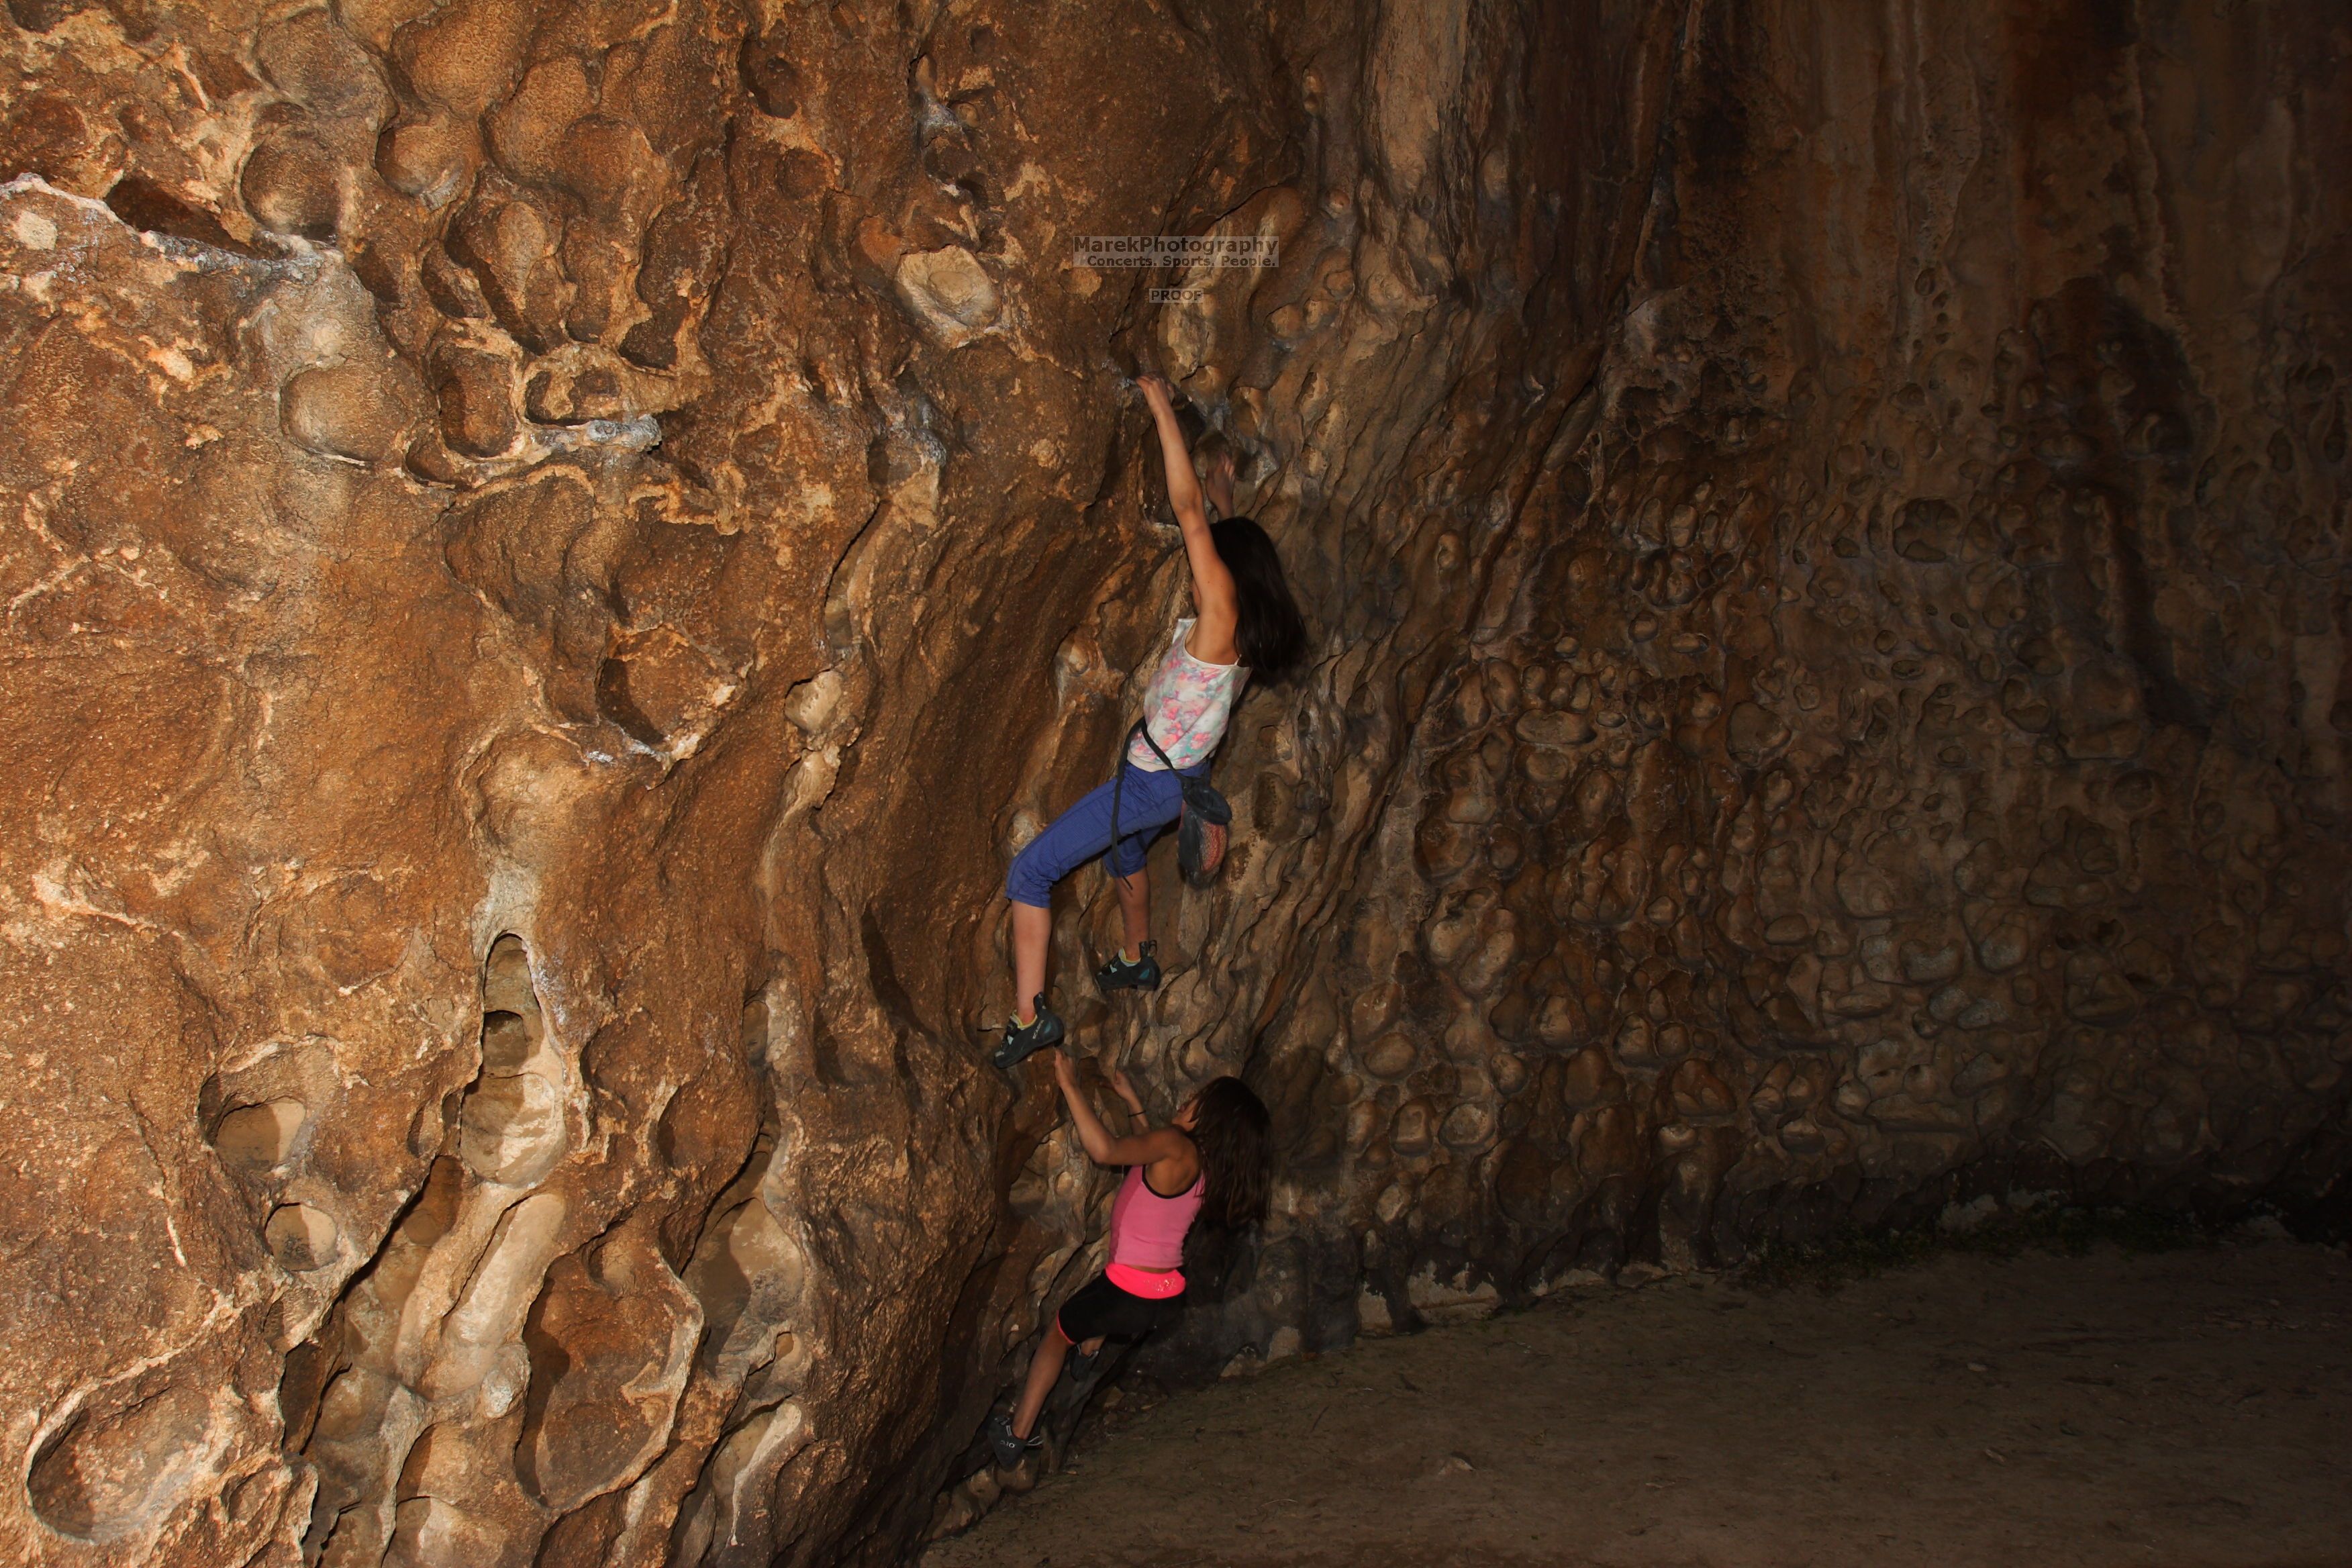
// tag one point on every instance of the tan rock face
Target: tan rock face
(558, 549)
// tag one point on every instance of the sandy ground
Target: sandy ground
(2180, 1408)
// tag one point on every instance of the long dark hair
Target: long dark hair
(1272, 633)
(1232, 1130)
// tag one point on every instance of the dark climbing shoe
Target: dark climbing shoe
(1025, 1040)
(1082, 1363)
(1009, 1449)
(1143, 974)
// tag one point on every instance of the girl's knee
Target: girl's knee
(1027, 889)
(1031, 878)
(1127, 855)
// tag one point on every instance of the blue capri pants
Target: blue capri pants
(1148, 807)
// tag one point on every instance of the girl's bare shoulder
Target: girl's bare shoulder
(1167, 1143)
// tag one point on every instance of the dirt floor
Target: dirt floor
(2189, 1407)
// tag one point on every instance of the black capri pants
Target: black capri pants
(1102, 1310)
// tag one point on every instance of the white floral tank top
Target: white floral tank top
(1187, 705)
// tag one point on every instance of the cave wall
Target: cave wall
(562, 547)
(1902, 761)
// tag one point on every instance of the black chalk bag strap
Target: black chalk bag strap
(1200, 841)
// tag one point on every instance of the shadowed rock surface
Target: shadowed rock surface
(559, 547)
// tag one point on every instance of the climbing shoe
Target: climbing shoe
(1143, 974)
(1024, 1040)
(1010, 1450)
(1081, 1364)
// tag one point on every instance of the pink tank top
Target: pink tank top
(1146, 1233)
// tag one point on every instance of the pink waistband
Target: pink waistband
(1143, 1282)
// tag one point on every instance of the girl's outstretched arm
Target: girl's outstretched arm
(1216, 607)
(1139, 1149)
(1137, 1120)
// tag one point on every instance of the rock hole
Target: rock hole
(290, 186)
(255, 1139)
(429, 1133)
(300, 1387)
(506, 1042)
(652, 344)
(511, 1127)
(145, 206)
(771, 79)
(301, 1237)
(104, 1477)
(618, 704)
(882, 974)
(506, 980)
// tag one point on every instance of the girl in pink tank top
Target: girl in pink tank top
(1212, 1157)
(1147, 1236)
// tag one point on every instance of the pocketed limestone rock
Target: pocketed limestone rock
(348, 411)
(478, 410)
(558, 549)
(429, 157)
(291, 184)
(109, 1474)
(949, 293)
(611, 1348)
(302, 1237)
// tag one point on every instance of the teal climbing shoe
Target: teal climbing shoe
(1143, 974)
(1025, 1040)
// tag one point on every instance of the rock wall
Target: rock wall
(560, 547)
(1900, 759)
